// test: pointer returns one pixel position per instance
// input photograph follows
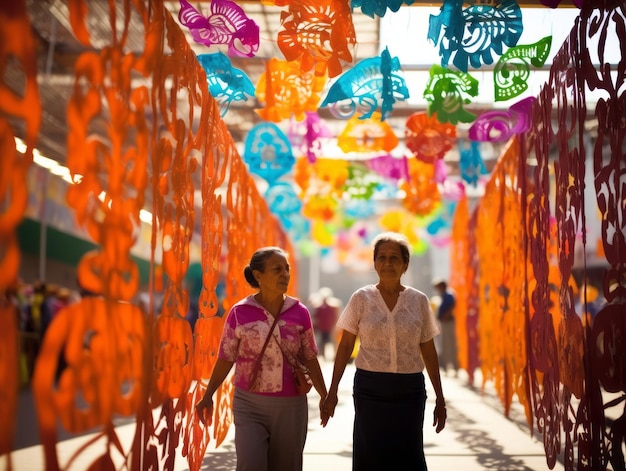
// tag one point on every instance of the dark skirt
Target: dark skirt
(388, 421)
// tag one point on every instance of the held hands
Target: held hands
(439, 416)
(204, 410)
(327, 407)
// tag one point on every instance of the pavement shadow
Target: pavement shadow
(485, 449)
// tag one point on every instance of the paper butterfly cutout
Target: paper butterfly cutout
(268, 152)
(498, 126)
(476, 33)
(227, 24)
(373, 8)
(512, 70)
(306, 135)
(471, 162)
(371, 84)
(447, 92)
(288, 91)
(427, 138)
(370, 135)
(226, 83)
(319, 33)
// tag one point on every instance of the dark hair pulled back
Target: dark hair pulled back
(257, 262)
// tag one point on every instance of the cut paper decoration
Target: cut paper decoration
(389, 167)
(361, 183)
(447, 91)
(319, 33)
(268, 152)
(307, 135)
(374, 8)
(226, 24)
(282, 199)
(471, 164)
(226, 83)
(372, 84)
(359, 209)
(555, 3)
(511, 73)
(427, 138)
(422, 192)
(287, 91)
(500, 125)
(370, 135)
(475, 34)
(320, 207)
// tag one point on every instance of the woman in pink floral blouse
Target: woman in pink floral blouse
(270, 415)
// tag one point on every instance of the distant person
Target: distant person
(263, 334)
(396, 327)
(445, 316)
(325, 318)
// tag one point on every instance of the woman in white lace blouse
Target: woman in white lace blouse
(396, 327)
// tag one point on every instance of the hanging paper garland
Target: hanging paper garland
(471, 163)
(282, 199)
(370, 135)
(268, 152)
(371, 84)
(476, 33)
(447, 91)
(373, 8)
(427, 138)
(288, 91)
(499, 126)
(512, 71)
(319, 33)
(227, 24)
(226, 83)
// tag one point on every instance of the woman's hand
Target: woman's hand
(204, 410)
(439, 416)
(324, 417)
(329, 404)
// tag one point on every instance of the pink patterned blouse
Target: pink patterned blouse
(245, 331)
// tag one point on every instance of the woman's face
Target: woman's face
(389, 263)
(275, 277)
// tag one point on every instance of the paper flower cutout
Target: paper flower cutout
(476, 33)
(422, 192)
(370, 135)
(306, 135)
(268, 152)
(427, 138)
(447, 92)
(498, 126)
(471, 163)
(320, 207)
(511, 73)
(371, 84)
(287, 91)
(226, 24)
(389, 167)
(319, 33)
(373, 8)
(226, 83)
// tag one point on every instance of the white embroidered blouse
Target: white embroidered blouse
(390, 340)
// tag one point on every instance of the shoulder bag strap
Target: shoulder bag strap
(257, 365)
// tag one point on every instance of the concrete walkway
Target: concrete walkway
(477, 436)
